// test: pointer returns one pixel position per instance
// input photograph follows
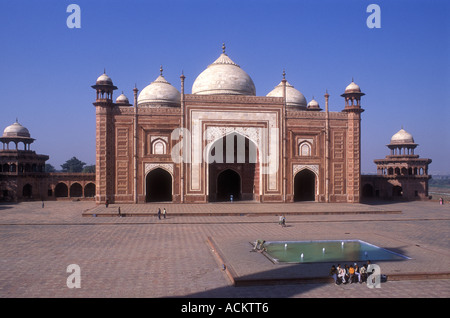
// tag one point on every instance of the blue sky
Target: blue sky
(46, 69)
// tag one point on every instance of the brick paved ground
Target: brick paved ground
(141, 256)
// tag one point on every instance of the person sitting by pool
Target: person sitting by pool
(357, 272)
(341, 273)
(363, 273)
(334, 273)
(346, 273)
(259, 245)
(351, 274)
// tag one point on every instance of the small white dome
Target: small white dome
(352, 88)
(104, 80)
(160, 92)
(16, 130)
(293, 96)
(313, 105)
(223, 77)
(122, 99)
(402, 137)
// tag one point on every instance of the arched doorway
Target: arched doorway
(305, 186)
(228, 184)
(397, 191)
(89, 190)
(367, 191)
(61, 190)
(27, 191)
(158, 186)
(76, 190)
(233, 169)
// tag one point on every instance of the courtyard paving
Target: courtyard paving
(184, 255)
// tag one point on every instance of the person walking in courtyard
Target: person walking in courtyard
(120, 215)
(164, 213)
(159, 213)
(283, 221)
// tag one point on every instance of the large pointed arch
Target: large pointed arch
(233, 168)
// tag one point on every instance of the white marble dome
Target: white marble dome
(16, 130)
(402, 137)
(223, 77)
(160, 92)
(104, 80)
(352, 88)
(122, 99)
(293, 96)
(313, 105)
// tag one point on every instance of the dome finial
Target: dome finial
(161, 70)
(284, 74)
(352, 80)
(223, 48)
(104, 70)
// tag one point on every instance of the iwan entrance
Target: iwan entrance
(233, 169)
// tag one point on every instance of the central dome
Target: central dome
(223, 77)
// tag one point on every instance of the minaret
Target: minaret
(352, 95)
(182, 124)
(105, 153)
(284, 125)
(135, 146)
(327, 149)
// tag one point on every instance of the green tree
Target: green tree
(49, 168)
(89, 169)
(73, 165)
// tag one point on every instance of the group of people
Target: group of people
(349, 274)
(164, 213)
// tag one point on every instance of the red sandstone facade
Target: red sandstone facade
(313, 154)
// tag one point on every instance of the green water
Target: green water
(327, 251)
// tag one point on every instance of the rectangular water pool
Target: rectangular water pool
(327, 251)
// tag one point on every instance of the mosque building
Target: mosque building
(222, 142)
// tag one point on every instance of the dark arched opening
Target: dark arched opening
(227, 155)
(367, 191)
(76, 190)
(27, 191)
(61, 190)
(159, 186)
(89, 190)
(397, 191)
(304, 186)
(228, 184)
